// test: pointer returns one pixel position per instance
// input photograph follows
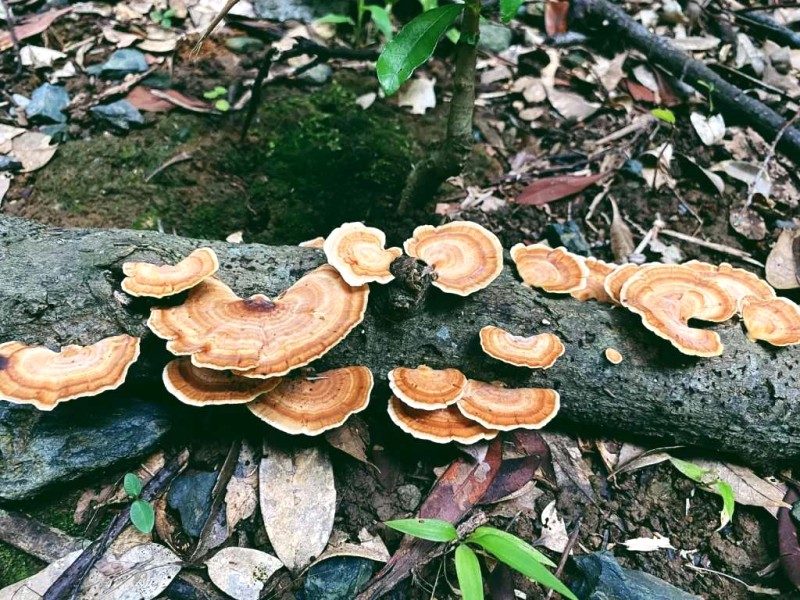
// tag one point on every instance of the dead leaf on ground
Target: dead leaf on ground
(757, 180)
(8, 133)
(571, 105)
(657, 164)
(748, 488)
(689, 164)
(549, 189)
(747, 222)
(622, 245)
(419, 94)
(298, 502)
(531, 88)
(33, 25)
(554, 530)
(513, 475)
(572, 472)
(711, 130)
(782, 264)
(609, 72)
(696, 43)
(788, 544)
(370, 547)
(242, 572)
(555, 16)
(352, 438)
(633, 458)
(642, 544)
(183, 101)
(33, 150)
(241, 495)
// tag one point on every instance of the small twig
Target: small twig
(573, 538)
(255, 99)
(12, 33)
(741, 254)
(762, 169)
(211, 26)
(178, 158)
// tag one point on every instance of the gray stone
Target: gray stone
(39, 449)
(408, 497)
(317, 75)
(190, 495)
(494, 38)
(47, 103)
(337, 578)
(299, 10)
(243, 44)
(121, 114)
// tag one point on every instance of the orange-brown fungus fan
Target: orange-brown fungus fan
(427, 389)
(595, 282)
(667, 296)
(737, 282)
(207, 387)
(497, 407)
(775, 320)
(617, 278)
(37, 375)
(535, 352)
(442, 425)
(311, 405)
(160, 281)
(317, 242)
(358, 253)
(258, 336)
(555, 271)
(465, 256)
(613, 356)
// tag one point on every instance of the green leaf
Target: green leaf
(132, 485)
(429, 4)
(692, 471)
(453, 35)
(335, 19)
(520, 556)
(728, 503)
(381, 19)
(169, 13)
(509, 8)
(664, 114)
(166, 23)
(413, 45)
(468, 571)
(156, 15)
(434, 530)
(142, 516)
(222, 105)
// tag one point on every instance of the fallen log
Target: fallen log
(60, 286)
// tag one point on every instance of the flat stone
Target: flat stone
(190, 495)
(318, 75)
(298, 10)
(494, 38)
(337, 578)
(408, 497)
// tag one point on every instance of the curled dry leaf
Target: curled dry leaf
(241, 495)
(701, 173)
(242, 572)
(554, 188)
(756, 179)
(747, 222)
(656, 169)
(622, 245)
(782, 263)
(33, 150)
(370, 547)
(710, 129)
(571, 470)
(554, 530)
(748, 488)
(419, 94)
(571, 105)
(34, 25)
(352, 438)
(788, 543)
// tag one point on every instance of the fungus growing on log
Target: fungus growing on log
(535, 352)
(613, 356)
(427, 389)
(595, 281)
(258, 336)
(617, 278)
(739, 283)
(312, 405)
(358, 253)
(317, 242)
(441, 426)
(208, 387)
(774, 320)
(667, 296)
(465, 256)
(36, 375)
(553, 270)
(504, 409)
(160, 281)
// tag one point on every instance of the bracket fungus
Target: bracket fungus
(441, 426)
(613, 356)
(465, 256)
(667, 296)
(595, 289)
(312, 405)
(358, 253)
(36, 375)
(317, 242)
(617, 278)
(553, 270)
(737, 282)
(535, 352)
(160, 281)
(208, 387)
(772, 320)
(259, 336)
(427, 389)
(504, 409)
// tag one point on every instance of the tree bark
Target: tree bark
(60, 286)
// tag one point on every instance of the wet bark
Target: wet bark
(62, 286)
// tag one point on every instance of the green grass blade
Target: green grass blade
(468, 571)
(433, 530)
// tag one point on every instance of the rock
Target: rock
(39, 449)
(299, 10)
(569, 235)
(317, 75)
(337, 578)
(120, 63)
(121, 114)
(243, 44)
(408, 497)
(47, 102)
(494, 37)
(190, 495)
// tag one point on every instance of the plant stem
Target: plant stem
(449, 158)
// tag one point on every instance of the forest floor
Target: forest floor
(328, 148)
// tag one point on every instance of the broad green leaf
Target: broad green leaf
(132, 485)
(413, 45)
(509, 8)
(433, 530)
(222, 105)
(142, 516)
(468, 571)
(429, 4)
(169, 13)
(453, 35)
(490, 533)
(335, 19)
(725, 490)
(692, 471)
(381, 19)
(664, 114)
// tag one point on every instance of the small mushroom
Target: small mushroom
(737, 282)
(553, 270)
(207, 387)
(427, 389)
(160, 281)
(617, 278)
(465, 256)
(441, 426)
(772, 320)
(257, 336)
(317, 242)
(595, 282)
(358, 253)
(613, 356)
(498, 407)
(535, 352)
(37, 375)
(312, 405)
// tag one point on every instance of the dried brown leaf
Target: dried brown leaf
(622, 244)
(554, 188)
(782, 263)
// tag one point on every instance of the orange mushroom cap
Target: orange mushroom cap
(427, 389)
(774, 320)
(465, 256)
(555, 271)
(208, 387)
(595, 281)
(159, 281)
(535, 352)
(498, 407)
(37, 375)
(739, 283)
(258, 336)
(317, 242)
(613, 356)
(442, 425)
(358, 253)
(667, 296)
(312, 405)
(617, 278)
